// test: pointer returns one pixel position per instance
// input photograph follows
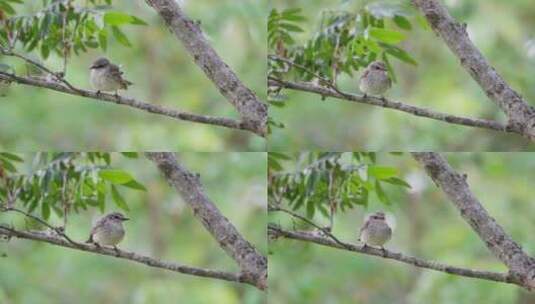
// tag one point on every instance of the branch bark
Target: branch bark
(130, 102)
(252, 263)
(395, 105)
(251, 109)
(521, 266)
(275, 231)
(521, 115)
(9, 232)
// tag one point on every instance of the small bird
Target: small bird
(375, 79)
(108, 230)
(106, 76)
(375, 231)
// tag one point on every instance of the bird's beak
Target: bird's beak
(125, 219)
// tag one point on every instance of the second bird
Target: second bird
(106, 76)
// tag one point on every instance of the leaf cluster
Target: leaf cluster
(64, 181)
(330, 181)
(63, 27)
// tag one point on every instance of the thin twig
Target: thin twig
(39, 66)
(59, 231)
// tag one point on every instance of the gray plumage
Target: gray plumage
(108, 230)
(106, 76)
(375, 79)
(375, 230)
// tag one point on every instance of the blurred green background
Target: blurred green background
(428, 226)
(161, 226)
(501, 29)
(33, 119)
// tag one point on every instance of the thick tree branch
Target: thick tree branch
(9, 232)
(126, 101)
(521, 115)
(454, 185)
(395, 105)
(251, 109)
(275, 231)
(252, 263)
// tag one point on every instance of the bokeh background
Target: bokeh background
(33, 119)
(502, 30)
(427, 225)
(161, 226)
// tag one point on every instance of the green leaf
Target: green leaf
(114, 176)
(397, 181)
(11, 156)
(386, 36)
(400, 54)
(381, 172)
(45, 51)
(135, 20)
(274, 164)
(133, 184)
(130, 154)
(310, 209)
(279, 155)
(402, 22)
(45, 211)
(120, 36)
(119, 18)
(7, 8)
(116, 18)
(381, 193)
(103, 39)
(118, 199)
(8, 165)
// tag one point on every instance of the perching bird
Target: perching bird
(375, 79)
(106, 76)
(108, 230)
(375, 231)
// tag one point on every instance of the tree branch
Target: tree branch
(252, 111)
(454, 185)
(9, 232)
(252, 263)
(126, 101)
(274, 231)
(395, 105)
(521, 115)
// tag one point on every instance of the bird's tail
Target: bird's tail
(125, 83)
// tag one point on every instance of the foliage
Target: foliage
(63, 182)
(345, 42)
(330, 181)
(63, 27)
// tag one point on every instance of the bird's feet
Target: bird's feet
(383, 252)
(117, 94)
(98, 93)
(365, 96)
(116, 250)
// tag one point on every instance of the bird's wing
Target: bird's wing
(365, 226)
(96, 226)
(115, 70)
(118, 74)
(365, 74)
